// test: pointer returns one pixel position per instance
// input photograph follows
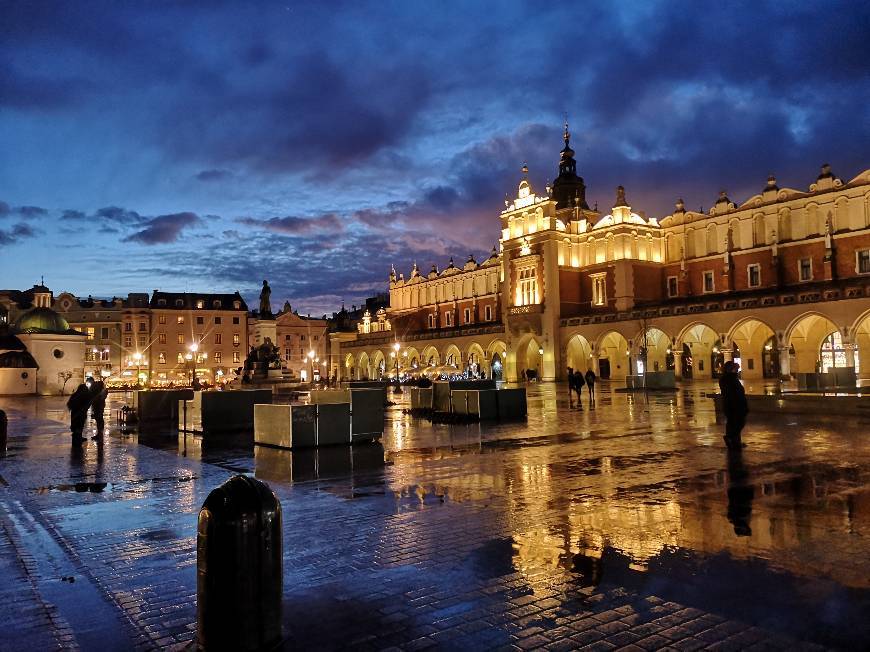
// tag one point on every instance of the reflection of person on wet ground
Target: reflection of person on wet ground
(78, 405)
(590, 384)
(740, 494)
(734, 404)
(578, 387)
(98, 405)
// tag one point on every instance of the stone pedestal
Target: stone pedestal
(265, 328)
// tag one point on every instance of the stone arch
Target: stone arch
(496, 354)
(712, 240)
(804, 337)
(734, 229)
(413, 356)
(578, 353)
(363, 371)
(698, 342)
(659, 354)
(379, 365)
(614, 355)
(528, 355)
(755, 347)
(475, 359)
(860, 335)
(348, 367)
(453, 356)
(430, 357)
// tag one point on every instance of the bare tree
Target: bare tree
(65, 376)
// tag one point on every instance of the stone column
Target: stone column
(595, 367)
(850, 348)
(727, 353)
(678, 364)
(784, 363)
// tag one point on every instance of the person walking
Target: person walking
(98, 406)
(734, 404)
(578, 387)
(570, 387)
(78, 405)
(590, 384)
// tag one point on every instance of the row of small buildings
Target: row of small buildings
(162, 338)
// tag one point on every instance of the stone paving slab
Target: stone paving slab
(570, 531)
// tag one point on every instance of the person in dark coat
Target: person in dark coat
(578, 386)
(734, 404)
(590, 384)
(570, 387)
(98, 405)
(78, 405)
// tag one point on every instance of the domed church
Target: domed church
(40, 353)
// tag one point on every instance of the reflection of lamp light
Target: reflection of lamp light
(541, 350)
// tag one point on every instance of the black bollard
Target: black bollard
(239, 569)
(4, 432)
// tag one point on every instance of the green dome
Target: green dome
(41, 320)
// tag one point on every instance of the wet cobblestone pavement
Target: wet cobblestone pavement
(625, 526)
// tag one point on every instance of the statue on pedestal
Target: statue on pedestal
(265, 303)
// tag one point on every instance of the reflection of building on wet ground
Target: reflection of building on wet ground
(620, 523)
(779, 282)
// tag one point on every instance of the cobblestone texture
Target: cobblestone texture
(618, 527)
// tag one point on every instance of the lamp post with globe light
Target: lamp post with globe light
(396, 347)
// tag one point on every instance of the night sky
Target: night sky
(206, 146)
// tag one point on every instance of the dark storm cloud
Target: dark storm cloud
(292, 225)
(16, 234)
(27, 212)
(213, 175)
(164, 228)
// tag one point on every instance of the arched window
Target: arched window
(690, 243)
(734, 225)
(712, 246)
(758, 236)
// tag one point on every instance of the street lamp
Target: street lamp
(137, 357)
(396, 347)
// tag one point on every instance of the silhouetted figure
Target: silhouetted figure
(98, 405)
(78, 405)
(578, 387)
(571, 387)
(740, 493)
(734, 404)
(590, 384)
(197, 386)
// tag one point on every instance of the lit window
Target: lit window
(161, 319)
(805, 269)
(217, 338)
(863, 261)
(161, 338)
(161, 358)
(599, 289)
(180, 358)
(128, 341)
(235, 356)
(709, 283)
(181, 338)
(104, 356)
(180, 320)
(753, 275)
(673, 289)
(90, 331)
(90, 355)
(527, 290)
(466, 316)
(199, 304)
(448, 318)
(236, 339)
(487, 313)
(237, 305)
(217, 357)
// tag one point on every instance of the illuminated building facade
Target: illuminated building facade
(780, 282)
(298, 338)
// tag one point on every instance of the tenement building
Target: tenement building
(779, 282)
